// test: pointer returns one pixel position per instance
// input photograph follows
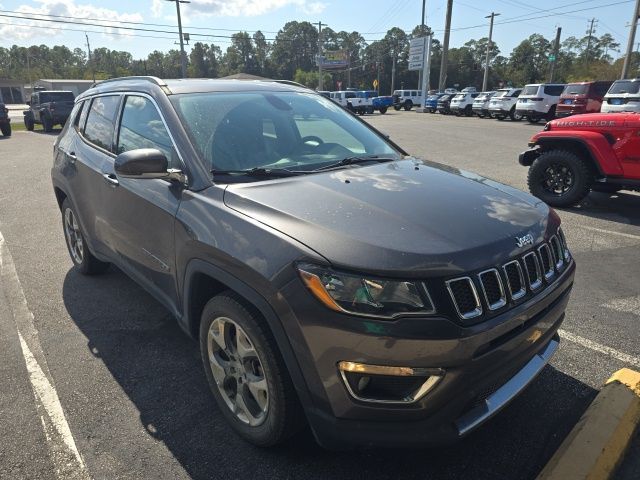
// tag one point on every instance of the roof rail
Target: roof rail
(148, 78)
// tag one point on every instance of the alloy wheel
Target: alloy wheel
(73, 236)
(558, 179)
(238, 371)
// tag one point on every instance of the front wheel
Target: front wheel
(408, 105)
(532, 119)
(397, 107)
(514, 115)
(6, 129)
(81, 257)
(29, 124)
(560, 178)
(383, 110)
(246, 373)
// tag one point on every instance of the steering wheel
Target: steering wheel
(312, 138)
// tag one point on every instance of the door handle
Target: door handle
(111, 179)
(72, 157)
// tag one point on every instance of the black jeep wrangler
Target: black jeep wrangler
(48, 108)
(5, 125)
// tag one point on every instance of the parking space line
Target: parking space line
(626, 305)
(597, 347)
(611, 232)
(62, 446)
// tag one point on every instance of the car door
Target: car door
(87, 156)
(631, 150)
(141, 212)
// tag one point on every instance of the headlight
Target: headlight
(367, 296)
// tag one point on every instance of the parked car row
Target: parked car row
(361, 101)
(539, 101)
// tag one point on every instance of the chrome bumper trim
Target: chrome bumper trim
(501, 397)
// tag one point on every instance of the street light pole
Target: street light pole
(183, 55)
(320, 79)
(445, 48)
(486, 60)
(422, 32)
(632, 38)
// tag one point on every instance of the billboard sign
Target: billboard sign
(335, 59)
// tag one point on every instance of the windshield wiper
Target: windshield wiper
(260, 172)
(353, 161)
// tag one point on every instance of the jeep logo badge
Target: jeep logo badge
(525, 240)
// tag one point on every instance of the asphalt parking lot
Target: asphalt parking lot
(132, 388)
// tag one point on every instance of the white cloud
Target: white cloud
(236, 8)
(157, 6)
(66, 8)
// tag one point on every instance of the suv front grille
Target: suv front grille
(511, 282)
(492, 288)
(465, 297)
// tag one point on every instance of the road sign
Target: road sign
(375, 83)
(416, 53)
(552, 58)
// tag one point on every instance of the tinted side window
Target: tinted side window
(601, 89)
(141, 127)
(101, 121)
(553, 90)
(516, 93)
(83, 115)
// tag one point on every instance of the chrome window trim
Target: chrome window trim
(551, 272)
(558, 255)
(473, 313)
(503, 296)
(123, 95)
(538, 283)
(523, 290)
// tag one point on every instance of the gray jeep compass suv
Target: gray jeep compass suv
(329, 277)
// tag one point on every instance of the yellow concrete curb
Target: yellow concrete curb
(598, 442)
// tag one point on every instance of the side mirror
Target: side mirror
(142, 163)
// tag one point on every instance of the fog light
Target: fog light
(387, 384)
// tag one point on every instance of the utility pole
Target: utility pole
(378, 70)
(586, 56)
(422, 32)
(632, 38)
(486, 60)
(320, 79)
(556, 50)
(93, 68)
(445, 47)
(393, 72)
(183, 56)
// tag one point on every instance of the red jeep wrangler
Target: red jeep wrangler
(599, 151)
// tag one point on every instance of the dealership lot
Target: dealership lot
(133, 392)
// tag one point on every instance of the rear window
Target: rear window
(624, 86)
(530, 90)
(501, 93)
(56, 97)
(601, 88)
(553, 90)
(350, 95)
(460, 96)
(576, 89)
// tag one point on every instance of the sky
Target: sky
(372, 18)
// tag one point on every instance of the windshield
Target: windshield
(56, 97)
(624, 86)
(460, 96)
(500, 93)
(530, 90)
(576, 89)
(283, 130)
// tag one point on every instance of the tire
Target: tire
(6, 129)
(383, 110)
(47, 124)
(500, 117)
(269, 416)
(532, 119)
(370, 110)
(408, 105)
(397, 107)
(515, 117)
(565, 164)
(28, 124)
(468, 111)
(552, 113)
(82, 258)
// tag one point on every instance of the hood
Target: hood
(409, 216)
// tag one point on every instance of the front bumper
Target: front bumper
(486, 365)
